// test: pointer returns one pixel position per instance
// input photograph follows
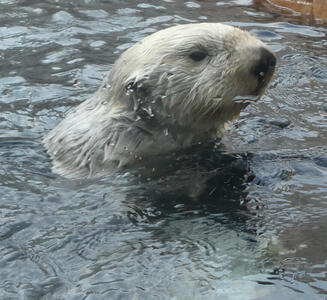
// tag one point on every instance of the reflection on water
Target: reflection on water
(242, 220)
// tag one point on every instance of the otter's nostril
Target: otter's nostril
(267, 61)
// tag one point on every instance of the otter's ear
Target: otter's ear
(137, 93)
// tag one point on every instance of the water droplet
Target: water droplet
(106, 86)
(148, 110)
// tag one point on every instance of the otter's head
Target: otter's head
(198, 75)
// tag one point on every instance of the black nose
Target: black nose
(265, 64)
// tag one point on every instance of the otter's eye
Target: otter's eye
(198, 55)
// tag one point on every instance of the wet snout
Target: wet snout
(264, 67)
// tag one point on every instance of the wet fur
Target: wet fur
(156, 100)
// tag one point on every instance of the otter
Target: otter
(173, 89)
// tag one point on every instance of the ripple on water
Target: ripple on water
(245, 221)
(266, 35)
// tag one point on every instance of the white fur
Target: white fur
(156, 99)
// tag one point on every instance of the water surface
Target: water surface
(244, 220)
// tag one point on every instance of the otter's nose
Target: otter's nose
(265, 65)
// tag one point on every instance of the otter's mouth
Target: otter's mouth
(246, 99)
(258, 92)
(262, 71)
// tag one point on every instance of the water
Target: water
(244, 220)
